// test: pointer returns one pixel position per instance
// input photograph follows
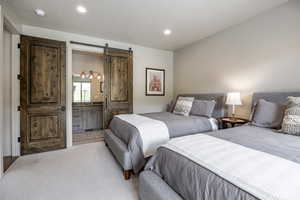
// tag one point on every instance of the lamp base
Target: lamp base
(233, 118)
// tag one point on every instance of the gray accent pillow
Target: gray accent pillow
(203, 107)
(268, 114)
(183, 106)
(291, 120)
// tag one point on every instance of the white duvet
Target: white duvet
(153, 133)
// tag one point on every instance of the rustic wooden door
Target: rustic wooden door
(118, 86)
(43, 95)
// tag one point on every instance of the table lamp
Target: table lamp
(234, 99)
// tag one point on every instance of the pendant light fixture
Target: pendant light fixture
(91, 76)
(82, 75)
(99, 76)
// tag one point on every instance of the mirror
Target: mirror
(88, 78)
(81, 90)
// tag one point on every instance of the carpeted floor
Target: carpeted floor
(84, 172)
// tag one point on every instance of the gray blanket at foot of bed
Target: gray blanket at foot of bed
(178, 126)
(192, 181)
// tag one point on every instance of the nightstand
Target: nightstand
(233, 122)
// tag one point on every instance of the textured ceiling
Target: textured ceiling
(142, 21)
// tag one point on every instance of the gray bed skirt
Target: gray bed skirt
(153, 187)
(119, 149)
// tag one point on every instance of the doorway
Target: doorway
(87, 96)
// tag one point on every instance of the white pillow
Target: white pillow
(291, 120)
(183, 106)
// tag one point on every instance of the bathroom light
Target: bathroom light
(82, 75)
(167, 32)
(81, 9)
(40, 12)
(91, 75)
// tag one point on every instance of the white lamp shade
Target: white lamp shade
(233, 98)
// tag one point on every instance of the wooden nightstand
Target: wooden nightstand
(233, 122)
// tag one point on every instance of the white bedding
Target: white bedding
(153, 133)
(263, 175)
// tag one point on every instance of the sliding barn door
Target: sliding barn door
(117, 83)
(43, 95)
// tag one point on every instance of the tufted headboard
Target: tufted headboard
(220, 99)
(276, 97)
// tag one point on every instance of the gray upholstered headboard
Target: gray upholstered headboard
(276, 97)
(220, 99)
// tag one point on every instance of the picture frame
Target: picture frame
(155, 82)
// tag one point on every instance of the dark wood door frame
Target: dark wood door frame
(43, 94)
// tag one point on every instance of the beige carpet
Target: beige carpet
(83, 172)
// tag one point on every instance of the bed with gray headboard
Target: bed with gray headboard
(124, 141)
(172, 175)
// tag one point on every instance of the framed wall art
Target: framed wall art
(155, 82)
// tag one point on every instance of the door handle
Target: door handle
(63, 108)
(105, 102)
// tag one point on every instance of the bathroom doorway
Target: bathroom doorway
(88, 96)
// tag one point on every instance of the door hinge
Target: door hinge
(19, 77)
(19, 139)
(19, 108)
(19, 45)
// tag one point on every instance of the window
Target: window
(81, 92)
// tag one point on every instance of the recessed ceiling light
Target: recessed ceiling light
(167, 32)
(40, 12)
(81, 9)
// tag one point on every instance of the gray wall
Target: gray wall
(261, 54)
(151, 58)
